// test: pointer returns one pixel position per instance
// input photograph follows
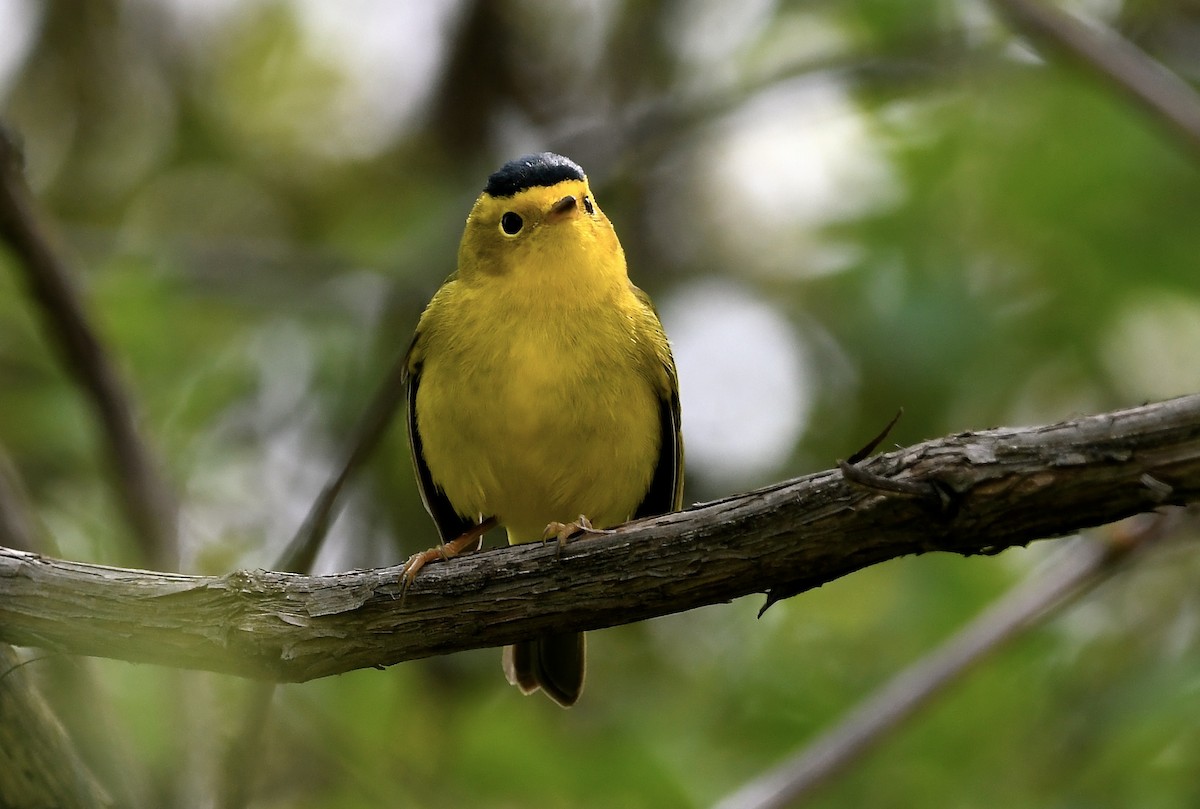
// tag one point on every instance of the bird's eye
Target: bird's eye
(511, 223)
(587, 205)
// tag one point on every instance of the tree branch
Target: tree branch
(38, 764)
(1101, 50)
(301, 552)
(986, 491)
(1075, 572)
(144, 496)
(17, 525)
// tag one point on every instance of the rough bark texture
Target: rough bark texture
(969, 493)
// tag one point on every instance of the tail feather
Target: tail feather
(554, 663)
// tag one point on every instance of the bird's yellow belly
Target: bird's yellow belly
(548, 443)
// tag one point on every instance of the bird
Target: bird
(541, 388)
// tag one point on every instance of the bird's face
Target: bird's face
(542, 229)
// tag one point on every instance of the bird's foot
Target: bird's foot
(562, 531)
(467, 543)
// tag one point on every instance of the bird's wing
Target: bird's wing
(449, 524)
(666, 487)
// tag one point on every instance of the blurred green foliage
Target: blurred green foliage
(260, 198)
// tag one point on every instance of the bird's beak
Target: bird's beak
(561, 209)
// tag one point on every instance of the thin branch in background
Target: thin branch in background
(1149, 83)
(18, 528)
(145, 498)
(72, 683)
(238, 765)
(1077, 571)
(39, 766)
(301, 552)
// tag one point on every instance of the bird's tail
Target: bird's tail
(553, 663)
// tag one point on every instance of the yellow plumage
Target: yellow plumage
(542, 386)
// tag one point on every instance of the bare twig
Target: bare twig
(144, 496)
(302, 550)
(1010, 487)
(38, 764)
(1151, 85)
(1079, 569)
(17, 524)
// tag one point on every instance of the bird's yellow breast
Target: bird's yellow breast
(536, 411)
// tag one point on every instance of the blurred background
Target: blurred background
(840, 208)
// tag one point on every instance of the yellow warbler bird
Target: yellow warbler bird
(541, 387)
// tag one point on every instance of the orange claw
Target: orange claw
(562, 531)
(445, 551)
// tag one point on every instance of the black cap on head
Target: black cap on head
(546, 168)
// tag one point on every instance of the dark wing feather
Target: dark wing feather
(666, 487)
(449, 524)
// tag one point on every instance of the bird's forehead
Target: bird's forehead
(537, 198)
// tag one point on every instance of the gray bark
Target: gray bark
(968, 494)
